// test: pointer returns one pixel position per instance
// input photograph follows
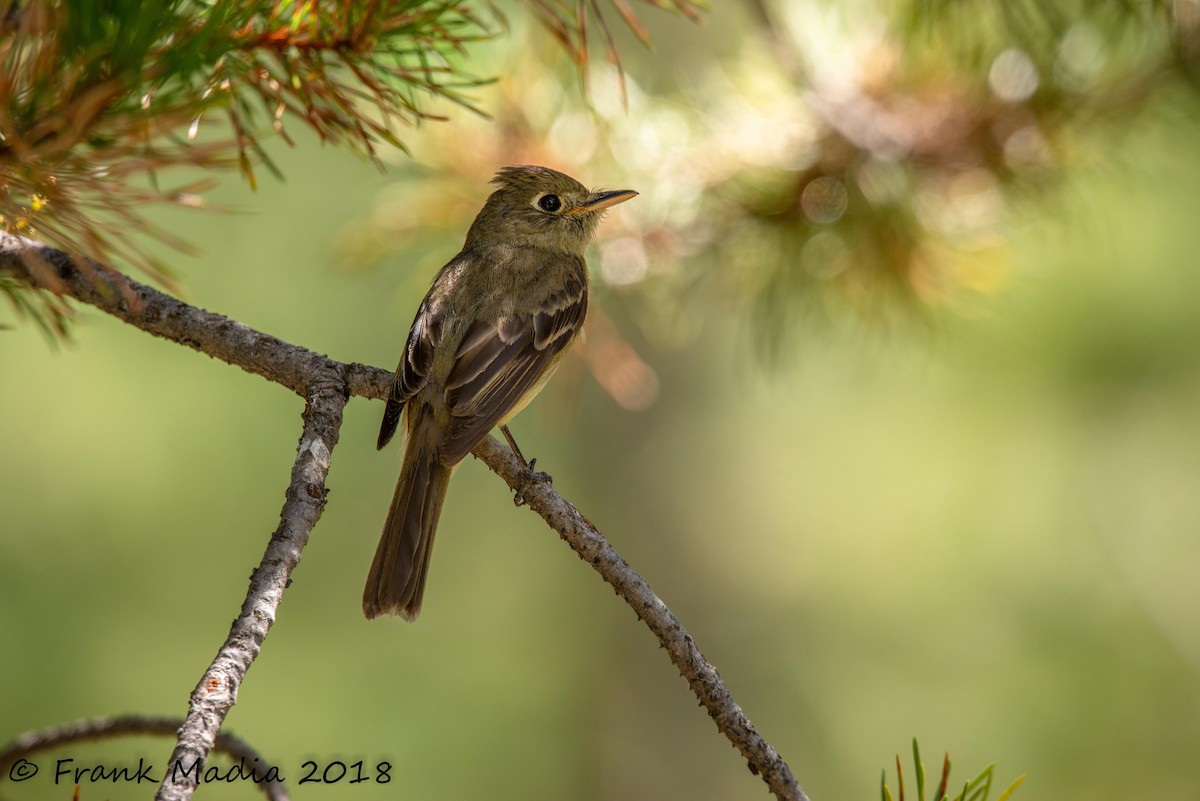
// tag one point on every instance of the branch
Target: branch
(326, 384)
(162, 315)
(591, 546)
(33, 742)
(217, 691)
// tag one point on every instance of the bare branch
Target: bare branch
(591, 546)
(217, 691)
(162, 315)
(327, 384)
(39, 740)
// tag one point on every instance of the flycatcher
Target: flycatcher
(491, 330)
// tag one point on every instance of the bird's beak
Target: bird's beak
(598, 201)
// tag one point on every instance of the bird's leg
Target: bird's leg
(533, 475)
(512, 443)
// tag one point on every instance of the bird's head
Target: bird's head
(539, 207)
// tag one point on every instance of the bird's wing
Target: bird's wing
(413, 370)
(501, 362)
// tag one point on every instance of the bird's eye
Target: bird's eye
(549, 203)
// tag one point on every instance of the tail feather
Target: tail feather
(396, 582)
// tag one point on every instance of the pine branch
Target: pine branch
(91, 98)
(95, 98)
(326, 385)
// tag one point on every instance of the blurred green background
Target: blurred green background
(976, 525)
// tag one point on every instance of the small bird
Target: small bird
(492, 328)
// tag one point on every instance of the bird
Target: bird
(495, 324)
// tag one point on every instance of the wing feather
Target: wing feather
(503, 360)
(413, 370)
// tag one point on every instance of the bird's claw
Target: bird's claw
(532, 477)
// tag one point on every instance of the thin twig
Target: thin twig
(326, 384)
(33, 742)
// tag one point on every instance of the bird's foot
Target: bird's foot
(531, 478)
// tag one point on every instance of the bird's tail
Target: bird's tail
(397, 578)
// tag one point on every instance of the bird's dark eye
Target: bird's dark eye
(549, 203)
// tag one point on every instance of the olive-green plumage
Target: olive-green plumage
(488, 334)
